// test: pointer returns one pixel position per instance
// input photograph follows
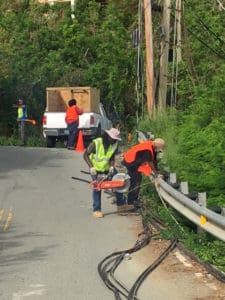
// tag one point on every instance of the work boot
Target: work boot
(97, 214)
(129, 206)
(122, 210)
(134, 211)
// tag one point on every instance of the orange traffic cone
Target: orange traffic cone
(80, 142)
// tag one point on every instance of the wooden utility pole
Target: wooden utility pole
(149, 57)
(165, 38)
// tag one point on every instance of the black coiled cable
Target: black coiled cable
(108, 266)
(133, 291)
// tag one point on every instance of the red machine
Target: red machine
(119, 183)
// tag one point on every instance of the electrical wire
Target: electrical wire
(81, 179)
(108, 266)
(212, 270)
(175, 63)
(133, 292)
(199, 20)
(211, 31)
(105, 270)
(164, 204)
(206, 45)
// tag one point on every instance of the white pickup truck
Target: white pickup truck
(91, 124)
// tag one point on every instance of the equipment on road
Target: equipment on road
(120, 183)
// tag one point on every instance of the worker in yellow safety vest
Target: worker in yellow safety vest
(21, 118)
(100, 158)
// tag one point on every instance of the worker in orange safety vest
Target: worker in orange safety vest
(141, 158)
(72, 121)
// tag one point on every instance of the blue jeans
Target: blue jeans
(96, 196)
(73, 130)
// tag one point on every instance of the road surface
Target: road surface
(50, 245)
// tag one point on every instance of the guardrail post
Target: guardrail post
(201, 200)
(173, 178)
(184, 187)
(223, 211)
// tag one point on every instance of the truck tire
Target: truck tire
(50, 141)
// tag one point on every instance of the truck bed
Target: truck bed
(57, 120)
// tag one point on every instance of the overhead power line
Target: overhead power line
(199, 20)
(206, 45)
(211, 31)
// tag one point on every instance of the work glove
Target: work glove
(152, 178)
(160, 176)
(93, 171)
(111, 170)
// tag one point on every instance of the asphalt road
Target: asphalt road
(50, 245)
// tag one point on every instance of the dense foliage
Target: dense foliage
(41, 46)
(199, 137)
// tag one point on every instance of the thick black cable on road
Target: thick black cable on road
(118, 289)
(133, 292)
(109, 264)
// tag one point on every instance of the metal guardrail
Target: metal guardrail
(204, 218)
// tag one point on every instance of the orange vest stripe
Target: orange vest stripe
(130, 155)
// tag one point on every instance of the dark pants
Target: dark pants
(22, 132)
(135, 185)
(73, 130)
(96, 196)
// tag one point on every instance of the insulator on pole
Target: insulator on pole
(72, 9)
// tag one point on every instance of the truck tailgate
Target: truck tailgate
(54, 120)
(88, 120)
